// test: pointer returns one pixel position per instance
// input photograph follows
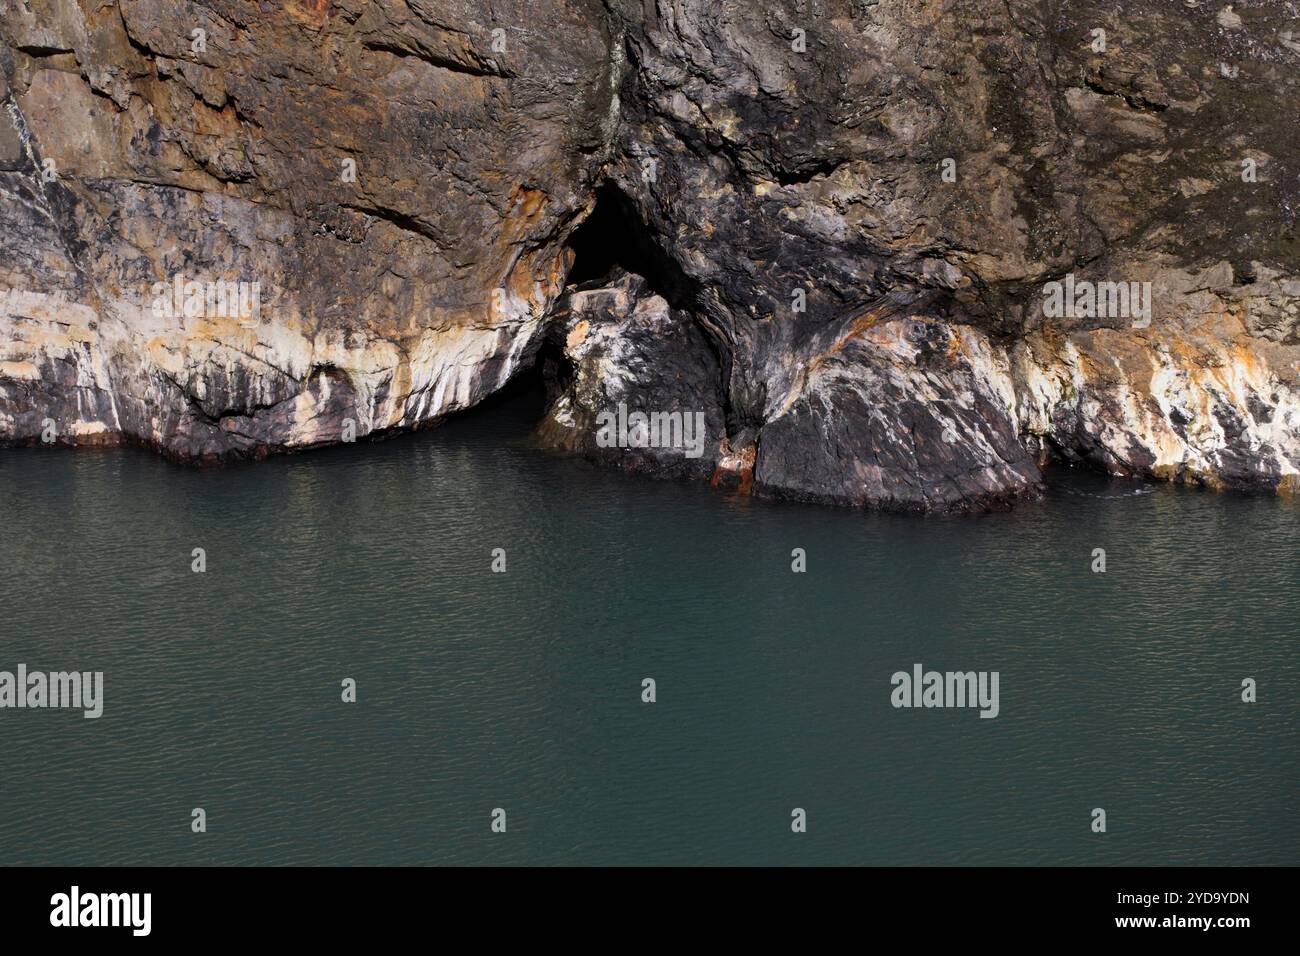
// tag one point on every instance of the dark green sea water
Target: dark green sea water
(523, 690)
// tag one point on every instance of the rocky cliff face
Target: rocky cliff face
(895, 253)
(397, 189)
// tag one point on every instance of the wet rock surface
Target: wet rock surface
(825, 226)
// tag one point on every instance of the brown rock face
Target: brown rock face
(893, 253)
(387, 184)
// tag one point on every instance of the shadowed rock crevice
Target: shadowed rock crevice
(615, 238)
(615, 252)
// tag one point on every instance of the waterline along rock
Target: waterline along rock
(893, 253)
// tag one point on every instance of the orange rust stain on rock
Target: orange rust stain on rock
(735, 469)
(526, 206)
(576, 335)
(858, 326)
(955, 342)
(311, 12)
(208, 121)
(520, 282)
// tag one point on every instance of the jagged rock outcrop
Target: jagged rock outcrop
(635, 383)
(829, 227)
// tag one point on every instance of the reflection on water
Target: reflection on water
(523, 690)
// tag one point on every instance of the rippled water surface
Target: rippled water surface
(523, 690)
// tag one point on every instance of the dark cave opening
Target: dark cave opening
(613, 237)
(552, 373)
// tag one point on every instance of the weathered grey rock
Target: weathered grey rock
(789, 155)
(623, 351)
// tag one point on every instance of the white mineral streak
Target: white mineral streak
(1185, 403)
(397, 384)
(1155, 404)
(1130, 392)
